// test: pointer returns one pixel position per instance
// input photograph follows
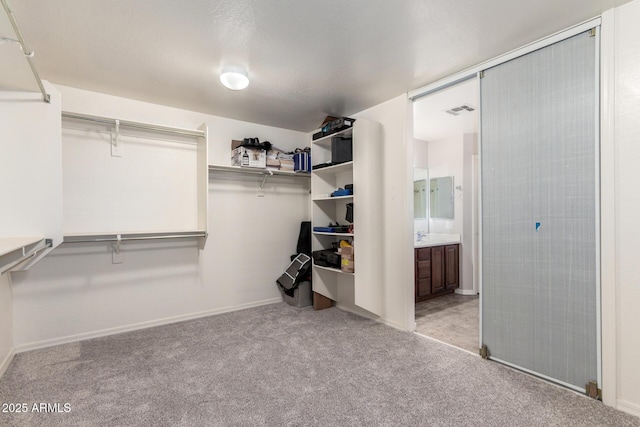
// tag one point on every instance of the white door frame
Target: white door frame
(475, 218)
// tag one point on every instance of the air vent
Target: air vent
(456, 111)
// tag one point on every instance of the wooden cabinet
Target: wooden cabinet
(451, 267)
(436, 271)
(423, 272)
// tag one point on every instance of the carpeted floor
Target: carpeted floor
(278, 365)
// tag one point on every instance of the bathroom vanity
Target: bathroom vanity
(437, 265)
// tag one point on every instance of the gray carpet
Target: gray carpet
(278, 365)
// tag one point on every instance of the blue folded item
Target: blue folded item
(341, 192)
(324, 229)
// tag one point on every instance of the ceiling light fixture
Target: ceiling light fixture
(234, 78)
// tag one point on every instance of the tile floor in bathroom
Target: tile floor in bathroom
(452, 318)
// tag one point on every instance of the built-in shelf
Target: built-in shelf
(335, 270)
(11, 244)
(258, 171)
(122, 237)
(364, 174)
(339, 168)
(321, 233)
(321, 198)
(16, 252)
(326, 140)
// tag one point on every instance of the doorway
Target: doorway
(445, 179)
(539, 162)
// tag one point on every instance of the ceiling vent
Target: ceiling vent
(456, 111)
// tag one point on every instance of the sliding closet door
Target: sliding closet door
(539, 203)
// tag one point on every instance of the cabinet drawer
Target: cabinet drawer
(423, 254)
(423, 288)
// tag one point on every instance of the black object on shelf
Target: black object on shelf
(349, 215)
(326, 258)
(322, 165)
(255, 143)
(341, 149)
(334, 126)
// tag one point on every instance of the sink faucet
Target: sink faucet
(420, 234)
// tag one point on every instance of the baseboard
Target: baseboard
(371, 316)
(628, 407)
(137, 326)
(6, 362)
(357, 311)
(465, 292)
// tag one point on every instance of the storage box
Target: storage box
(341, 149)
(301, 162)
(302, 296)
(320, 302)
(347, 264)
(247, 156)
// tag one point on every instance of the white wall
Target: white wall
(469, 149)
(452, 156)
(396, 118)
(420, 154)
(627, 204)
(30, 165)
(76, 292)
(6, 324)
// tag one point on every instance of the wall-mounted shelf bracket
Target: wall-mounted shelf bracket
(264, 181)
(22, 255)
(116, 255)
(115, 140)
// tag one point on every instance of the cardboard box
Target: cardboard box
(247, 156)
(277, 159)
(320, 302)
(347, 262)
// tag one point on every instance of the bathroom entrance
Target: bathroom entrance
(445, 205)
(540, 212)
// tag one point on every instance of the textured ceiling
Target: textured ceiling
(305, 59)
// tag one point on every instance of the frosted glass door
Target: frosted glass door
(539, 204)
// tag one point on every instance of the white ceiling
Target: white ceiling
(431, 122)
(306, 59)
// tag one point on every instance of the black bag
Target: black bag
(327, 258)
(349, 215)
(304, 239)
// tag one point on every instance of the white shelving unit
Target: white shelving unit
(113, 201)
(363, 288)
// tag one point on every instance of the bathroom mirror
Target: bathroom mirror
(441, 197)
(420, 199)
(420, 191)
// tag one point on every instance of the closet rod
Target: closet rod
(128, 237)
(135, 125)
(257, 171)
(27, 53)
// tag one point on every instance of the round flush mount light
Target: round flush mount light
(234, 78)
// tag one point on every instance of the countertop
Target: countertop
(434, 239)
